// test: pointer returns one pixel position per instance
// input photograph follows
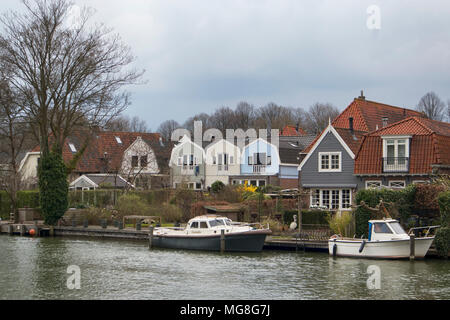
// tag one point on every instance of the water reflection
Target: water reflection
(36, 269)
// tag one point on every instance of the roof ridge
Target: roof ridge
(415, 118)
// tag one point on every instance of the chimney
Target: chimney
(350, 124)
(297, 127)
(362, 97)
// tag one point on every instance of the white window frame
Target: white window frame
(328, 206)
(397, 181)
(329, 154)
(419, 181)
(394, 167)
(374, 181)
(72, 147)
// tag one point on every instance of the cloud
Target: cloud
(200, 54)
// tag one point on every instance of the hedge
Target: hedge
(404, 200)
(308, 216)
(442, 239)
(98, 198)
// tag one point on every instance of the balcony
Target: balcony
(259, 169)
(396, 164)
(222, 167)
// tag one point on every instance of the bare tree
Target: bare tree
(223, 119)
(244, 115)
(67, 74)
(318, 116)
(166, 128)
(448, 110)
(203, 117)
(13, 133)
(273, 116)
(432, 106)
(126, 124)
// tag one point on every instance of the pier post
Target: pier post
(150, 237)
(222, 241)
(85, 223)
(51, 231)
(10, 229)
(412, 246)
(138, 226)
(22, 230)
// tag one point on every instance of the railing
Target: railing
(259, 169)
(396, 164)
(418, 233)
(223, 167)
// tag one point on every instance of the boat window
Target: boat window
(381, 228)
(397, 228)
(194, 224)
(216, 222)
(203, 225)
(228, 222)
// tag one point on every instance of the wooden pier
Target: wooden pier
(109, 232)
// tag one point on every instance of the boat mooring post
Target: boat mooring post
(412, 246)
(22, 230)
(222, 241)
(150, 237)
(10, 229)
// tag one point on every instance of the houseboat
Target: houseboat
(205, 233)
(386, 240)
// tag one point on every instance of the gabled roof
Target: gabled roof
(348, 134)
(429, 145)
(110, 145)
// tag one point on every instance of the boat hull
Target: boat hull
(250, 241)
(393, 249)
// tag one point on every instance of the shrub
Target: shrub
(274, 225)
(308, 216)
(217, 186)
(442, 241)
(403, 201)
(444, 206)
(167, 212)
(132, 204)
(53, 187)
(340, 224)
(230, 193)
(426, 196)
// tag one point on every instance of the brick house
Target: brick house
(408, 151)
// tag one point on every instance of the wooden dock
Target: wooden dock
(272, 242)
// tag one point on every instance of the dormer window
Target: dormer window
(384, 121)
(72, 147)
(396, 154)
(119, 141)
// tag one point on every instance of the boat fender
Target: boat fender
(361, 248)
(334, 249)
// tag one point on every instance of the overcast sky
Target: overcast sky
(200, 55)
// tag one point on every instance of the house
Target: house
(222, 162)
(141, 158)
(259, 164)
(290, 151)
(409, 151)
(327, 170)
(187, 165)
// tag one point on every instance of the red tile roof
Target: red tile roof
(292, 131)
(429, 145)
(367, 115)
(105, 143)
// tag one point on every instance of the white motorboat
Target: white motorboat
(205, 232)
(386, 240)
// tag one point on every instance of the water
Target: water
(36, 268)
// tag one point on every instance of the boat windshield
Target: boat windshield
(397, 228)
(216, 222)
(381, 228)
(228, 222)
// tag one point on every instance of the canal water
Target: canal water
(36, 268)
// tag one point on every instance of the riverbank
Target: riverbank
(282, 243)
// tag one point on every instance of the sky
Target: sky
(203, 54)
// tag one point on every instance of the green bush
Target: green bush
(53, 187)
(217, 186)
(339, 224)
(442, 241)
(403, 201)
(444, 208)
(132, 204)
(308, 216)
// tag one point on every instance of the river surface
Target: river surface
(36, 268)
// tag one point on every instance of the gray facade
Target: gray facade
(310, 175)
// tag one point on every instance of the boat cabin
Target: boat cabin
(208, 224)
(388, 229)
